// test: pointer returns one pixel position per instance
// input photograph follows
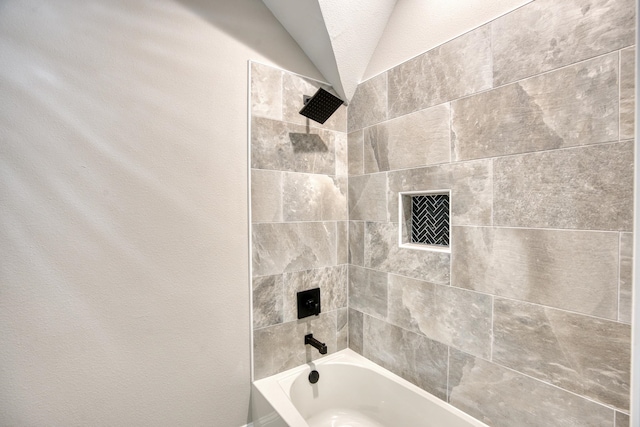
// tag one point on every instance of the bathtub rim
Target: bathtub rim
(275, 389)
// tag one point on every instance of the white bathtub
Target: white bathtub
(352, 391)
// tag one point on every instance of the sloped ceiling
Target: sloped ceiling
(339, 36)
(352, 40)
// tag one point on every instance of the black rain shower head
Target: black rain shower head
(321, 106)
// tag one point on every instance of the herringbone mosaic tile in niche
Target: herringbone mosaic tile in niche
(430, 219)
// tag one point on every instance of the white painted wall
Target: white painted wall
(416, 26)
(124, 296)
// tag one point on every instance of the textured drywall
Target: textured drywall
(124, 285)
(416, 26)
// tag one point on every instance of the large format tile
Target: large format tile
(284, 146)
(577, 105)
(368, 291)
(381, 252)
(369, 103)
(355, 330)
(356, 160)
(407, 354)
(626, 278)
(266, 91)
(314, 197)
(451, 316)
(587, 187)
(266, 196)
(332, 282)
(582, 354)
(284, 247)
(503, 398)
(470, 184)
(418, 139)
(627, 93)
(455, 69)
(368, 197)
(294, 88)
(281, 347)
(573, 270)
(547, 34)
(267, 300)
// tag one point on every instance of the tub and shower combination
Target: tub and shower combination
(350, 391)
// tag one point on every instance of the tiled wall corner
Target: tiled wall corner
(528, 120)
(300, 228)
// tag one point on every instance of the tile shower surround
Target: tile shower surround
(529, 121)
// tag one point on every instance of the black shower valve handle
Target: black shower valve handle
(313, 304)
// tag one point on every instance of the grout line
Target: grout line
(538, 380)
(493, 300)
(591, 316)
(619, 95)
(618, 267)
(448, 394)
(482, 91)
(568, 230)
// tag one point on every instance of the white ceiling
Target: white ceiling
(352, 40)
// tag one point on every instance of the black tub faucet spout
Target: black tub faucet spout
(309, 339)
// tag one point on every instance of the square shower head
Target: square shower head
(321, 106)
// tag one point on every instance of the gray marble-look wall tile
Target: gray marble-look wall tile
(284, 146)
(413, 357)
(418, 139)
(332, 282)
(589, 356)
(369, 103)
(342, 329)
(314, 197)
(266, 91)
(626, 279)
(547, 34)
(355, 330)
(455, 69)
(572, 270)
(627, 93)
(266, 196)
(285, 247)
(267, 301)
(356, 160)
(496, 396)
(342, 239)
(356, 243)
(368, 291)
(587, 187)
(381, 252)
(451, 316)
(622, 420)
(342, 153)
(368, 197)
(577, 105)
(294, 88)
(471, 185)
(281, 347)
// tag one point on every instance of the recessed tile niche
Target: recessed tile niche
(425, 220)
